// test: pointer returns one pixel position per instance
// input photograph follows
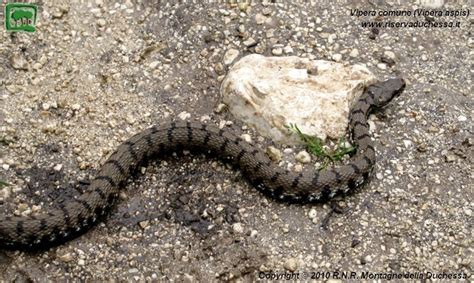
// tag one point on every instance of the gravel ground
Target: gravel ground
(95, 73)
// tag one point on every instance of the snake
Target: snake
(75, 216)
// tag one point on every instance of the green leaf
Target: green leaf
(3, 184)
(315, 146)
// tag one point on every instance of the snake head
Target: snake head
(384, 92)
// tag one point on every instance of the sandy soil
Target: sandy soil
(95, 73)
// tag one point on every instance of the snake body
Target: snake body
(78, 214)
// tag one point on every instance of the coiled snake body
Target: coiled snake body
(78, 214)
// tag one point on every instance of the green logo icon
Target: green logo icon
(20, 17)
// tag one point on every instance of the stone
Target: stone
(277, 51)
(288, 49)
(270, 93)
(337, 57)
(303, 157)
(291, 264)
(18, 62)
(274, 153)
(432, 4)
(58, 167)
(246, 137)
(230, 56)
(250, 42)
(238, 228)
(354, 53)
(259, 19)
(390, 55)
(144, 224)
(154, 64)
(101, 22)
(267, 11)
(67, 257)
(184, 115)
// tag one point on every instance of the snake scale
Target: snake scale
(77, 215)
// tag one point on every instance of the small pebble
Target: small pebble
(58, 167)
(144, 224)
(101, 22)
(246, 137)
(250, 42)
(238, 228)
(337, 57)
(354, 53)
(277, 51)
(230, 56)
(288, 49)
(291, 264)
(18, 62)
(67, 257)
(274, 153)
(184, 115)
(303, 157)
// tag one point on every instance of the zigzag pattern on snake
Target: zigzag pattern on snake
(79, 214)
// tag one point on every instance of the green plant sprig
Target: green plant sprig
(3, 184)
(315, 146)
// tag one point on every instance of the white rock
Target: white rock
(5, 193)
(277, 51)
(220, 108)
(18, 62)
(269, 93)
(246, 137)
(101, 22)
(298, 168)
(407, 143)
(390, 55)
(45, 106)
(354, 53)
(238, 228)
(303, 157)
(382, 66)
(274, 153)
(58, 167)
(291, 264)
(154, 64)
(337, 57)
(76, 107)
(250, 42)
(66, 257)
(288, 49)
(184, 115)
(260, 19)
(432, 4)
(230, 56)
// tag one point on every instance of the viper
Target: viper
(77, 215)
